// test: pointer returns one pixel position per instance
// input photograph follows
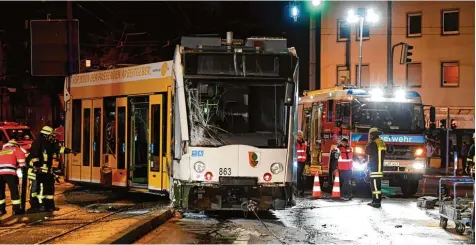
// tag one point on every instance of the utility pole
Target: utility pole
(312, 51)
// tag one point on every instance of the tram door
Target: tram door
(139, 140)
(91, 140)
(157, 152)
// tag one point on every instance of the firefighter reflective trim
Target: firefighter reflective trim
(16, 202)
(45, 157)
(44, 168)
(2, 201)
(376, 189)
(34, 160)
(40, 195)
(49, 197)
(6, 152)
(62, 150)
(33, 194)
(376, 192)
(31, 175)
(376, 174)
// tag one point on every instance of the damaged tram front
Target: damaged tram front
(232, 148)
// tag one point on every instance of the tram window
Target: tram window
(155, 137)
(109, 135)
(121, 137)
(86, 136)
(164, 126)
(330, 108)
(77, 127)
(97, 138)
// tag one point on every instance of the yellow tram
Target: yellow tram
(119, 123)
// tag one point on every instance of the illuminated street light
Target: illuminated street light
(316, 3)
(360, 16)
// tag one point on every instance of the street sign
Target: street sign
(49, 47)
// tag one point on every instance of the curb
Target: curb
(133, 233)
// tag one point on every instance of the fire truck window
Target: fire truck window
(330, 108)
(77, 127)
(109, 126)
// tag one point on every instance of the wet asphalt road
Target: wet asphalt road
(399, 221)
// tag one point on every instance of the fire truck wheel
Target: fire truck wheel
(409, 188)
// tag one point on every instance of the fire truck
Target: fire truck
(328, 115)
(18, 132)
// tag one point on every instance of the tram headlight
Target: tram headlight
(418, 165)
(199, 167)
(276, 168)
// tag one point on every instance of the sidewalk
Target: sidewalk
(86, 217)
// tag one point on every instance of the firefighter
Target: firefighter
(12, 159)
(41, 175)
(301, 148)
(345, 168)
(375, 150)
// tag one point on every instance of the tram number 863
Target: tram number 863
(224, 171)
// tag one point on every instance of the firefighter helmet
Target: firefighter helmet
(47, 130)
(374, 131)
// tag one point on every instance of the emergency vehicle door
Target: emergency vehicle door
(86, 140)
(156, 155)
(119, 176)
(96, 146)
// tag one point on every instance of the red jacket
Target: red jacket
(345, 161)
(301, 151)
(11, 158)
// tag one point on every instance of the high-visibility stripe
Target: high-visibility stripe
(300, 150)
(376, 189)
(49, 197)
(316, 188)
(2, 201)
(62, 150)
(21, 160)
(376, 192)
(16, 202)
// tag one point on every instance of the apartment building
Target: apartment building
(442, 34)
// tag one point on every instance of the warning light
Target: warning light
(267, 177)
(208, 176)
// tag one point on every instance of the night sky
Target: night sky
(160, 24)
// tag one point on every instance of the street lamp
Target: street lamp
(362, 15)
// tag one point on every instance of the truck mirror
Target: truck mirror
(289, 96)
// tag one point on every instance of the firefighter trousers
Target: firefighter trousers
(36, 189)
(376, 187)
(12, 181)
(48, 182)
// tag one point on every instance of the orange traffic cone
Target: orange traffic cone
(316, 190)
(336, 188)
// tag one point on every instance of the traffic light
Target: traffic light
(443, 123)
(453, 124)
(406, 54)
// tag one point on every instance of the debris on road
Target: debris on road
(427, 202)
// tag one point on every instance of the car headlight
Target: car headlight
(418, 152)
(276, 168)
(359, 150)
(418, 165)
(199, 167)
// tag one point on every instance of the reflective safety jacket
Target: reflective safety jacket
(375, 150)
(345, 159)
(470, 157)
(301, 151)
(42, 151)
(11, 159)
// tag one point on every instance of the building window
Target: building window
(414, 78)
(343, 75)
(365, 79)
(343, 30)
(450, 74)
(450, 22)
(365, 33)
(414, 24)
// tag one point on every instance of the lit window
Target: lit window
(343, 30)
(450, 22)
(365, 33)
(414, 78)
(414, 24)
(450, 74)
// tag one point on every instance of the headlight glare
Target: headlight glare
(359, 150)
(199, 167)
(276, 168)
(419, 152)
(418, 165)
(359, 166)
